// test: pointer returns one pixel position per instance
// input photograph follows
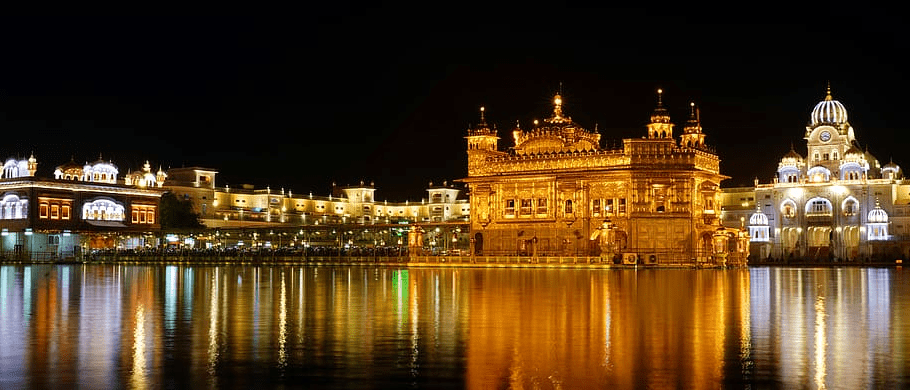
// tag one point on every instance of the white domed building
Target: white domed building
(15, 168)
(145, 178)
(99, 171)
(832, 205)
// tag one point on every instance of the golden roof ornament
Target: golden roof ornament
(660, 115)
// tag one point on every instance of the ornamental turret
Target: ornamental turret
(660, 126)
(758, 226)
(692, 136)
(891, 171)
(161, 176)
(877, 223)
(32, 165)
(482, 136)
(789, 170)
(482, 143)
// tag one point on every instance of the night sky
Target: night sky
(343, 94)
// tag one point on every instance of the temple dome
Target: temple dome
(758, 218)
(792, 156)
(556, 134)
(878, 215)
(828, 112)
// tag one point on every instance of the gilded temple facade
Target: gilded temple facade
(838, 203)
(558, 192)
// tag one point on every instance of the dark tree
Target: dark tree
(178, 213)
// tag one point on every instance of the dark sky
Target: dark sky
(342, 94)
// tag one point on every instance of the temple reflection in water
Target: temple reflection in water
(355, 327)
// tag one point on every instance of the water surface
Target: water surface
(134, 326)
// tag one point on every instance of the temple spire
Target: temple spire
(660, 126)
(557, 106)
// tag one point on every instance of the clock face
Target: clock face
(824, 136)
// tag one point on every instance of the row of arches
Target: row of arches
(100, 209)
(819, 206)
(820, 174)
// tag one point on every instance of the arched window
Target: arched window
(103, 209)
(850, 206)
(13, 207)
(818, 207)
(788, 209)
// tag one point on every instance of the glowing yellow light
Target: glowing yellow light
(481, 109)
(535, 122)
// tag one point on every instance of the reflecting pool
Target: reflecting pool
(245, 326)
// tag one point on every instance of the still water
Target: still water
(184, 326)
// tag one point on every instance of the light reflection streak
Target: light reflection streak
(301, 304)
(138, 375)
(4, 275)
(820, 342)
(188, 283)
(436, 310)
(170, 297)
(415, 333)
(26, 294)
(606, 298)
(213, 331)
(282, 326)
(745, 335)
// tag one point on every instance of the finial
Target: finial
(517, 124)
(482, 120)
(557, 106)
(828, 91)
(660, 93)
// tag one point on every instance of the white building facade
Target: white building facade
(837, 203)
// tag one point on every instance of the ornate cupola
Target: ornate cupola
(828, 112)
(828, 123)
(758, 226)
(877, 223)
(692, 136)
(482, 136)
(482, 143)
(790, 167)
(32, 165)
(161, 176)
(557, 134)
(660, 126)
(891, 171)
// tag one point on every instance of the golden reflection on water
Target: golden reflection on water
(224, 327)
(137, 378)
(620, 329)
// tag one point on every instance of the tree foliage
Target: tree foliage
(176, 213)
